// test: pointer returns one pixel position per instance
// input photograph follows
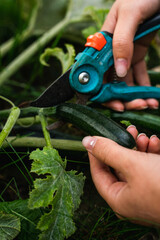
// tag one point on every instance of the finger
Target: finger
(110, 153)
(128, 78)
(101, 173)
(137, 104)
(140, 74)
(111, 19)
(142, 78)
(123, 41)
(152, 103)
(116, 105)
(133, 131)
(142, 142)
(106, 183)
(154, 145)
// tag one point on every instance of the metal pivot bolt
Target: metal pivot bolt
(84, 77)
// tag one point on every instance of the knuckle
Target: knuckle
(121, 47)
(104, 150)
(120, 42)
(128, 7)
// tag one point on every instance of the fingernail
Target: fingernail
(141, 107)
(89, 142)
(153, 136)
(131, 126)
(141, 134)
(117, 109)
(121, 67)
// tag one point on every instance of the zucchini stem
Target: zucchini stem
(11, 120)
(44, 128)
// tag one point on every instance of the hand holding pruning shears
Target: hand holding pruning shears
(134, 190)
(85, 77)
(123, 20)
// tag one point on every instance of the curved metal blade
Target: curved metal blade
(58, 92)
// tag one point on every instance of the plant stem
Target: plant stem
(13, 116)
(19, 61)
(28, 112)
(5, 47)
(7, 100)
(44, 129)
(15, 111)
(34, 142)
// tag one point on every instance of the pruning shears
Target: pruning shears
(85, 77)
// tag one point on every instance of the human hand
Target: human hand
(135, 193)
(123, 20)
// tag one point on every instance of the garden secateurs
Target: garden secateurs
(85, 77)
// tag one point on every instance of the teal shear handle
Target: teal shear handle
(123, 92)
(88, 71)
(150, 25)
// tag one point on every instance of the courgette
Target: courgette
(94, 123)
(142, 120)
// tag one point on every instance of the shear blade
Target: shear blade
(58, 92)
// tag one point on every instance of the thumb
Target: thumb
(109, 153)
(104, 152)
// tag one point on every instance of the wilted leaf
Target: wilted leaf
(9, 226)
(60, 189)
(66, 59)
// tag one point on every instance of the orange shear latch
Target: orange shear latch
(96, 41)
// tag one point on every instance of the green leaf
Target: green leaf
(42, 195)
(126, 123)
(66, 59)
(9, 226)
(43, 161)
(79, 6)
(58, 222)
(97, 16)
(29, 218)
(89, 31)
(50, 13)
(53, 12)
(59, 189)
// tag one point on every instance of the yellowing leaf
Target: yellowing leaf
(66, 59)
(59, 189)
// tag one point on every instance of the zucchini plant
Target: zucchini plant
(54, 191)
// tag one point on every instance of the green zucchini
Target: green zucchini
(94, 123)
(143, 120)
